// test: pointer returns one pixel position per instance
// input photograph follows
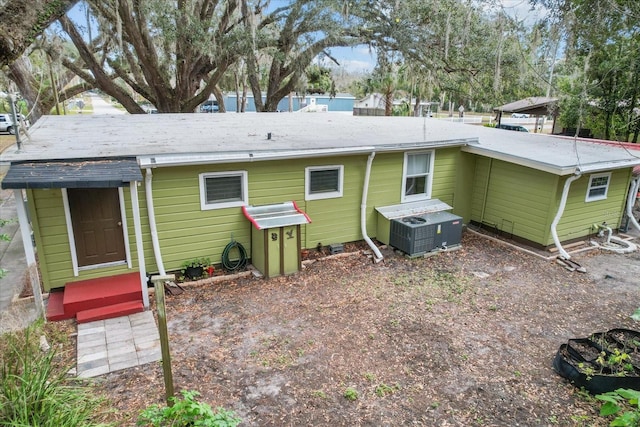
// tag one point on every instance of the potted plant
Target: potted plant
(194, 268)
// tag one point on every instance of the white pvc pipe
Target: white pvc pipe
(32, 264)
(631, 200)
(152, 222)
(363, 209)
(556, 220)
(135, 207)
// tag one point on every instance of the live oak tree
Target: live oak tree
(173, 54)
(22, 21)
(286, 40)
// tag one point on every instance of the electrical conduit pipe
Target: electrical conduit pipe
(363, 210)
(556, 220)
(631, 199)
(152, 222)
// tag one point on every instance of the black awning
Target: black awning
(73, 174)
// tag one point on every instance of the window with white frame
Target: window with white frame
(598, 186)
(417, 176)
(323, 182)
(223, 190)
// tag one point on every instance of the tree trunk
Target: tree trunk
(101, 79)
(22, 77)
(220, 97)
(388, 103)
(22, 21)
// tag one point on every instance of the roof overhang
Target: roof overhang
(164, 160)
(555, 169)
(72, 174)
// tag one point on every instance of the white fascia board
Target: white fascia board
(522, 161)
(607, 166)
(163, 160)
(554, 169)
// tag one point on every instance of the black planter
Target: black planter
(580, 355)
(193, 272)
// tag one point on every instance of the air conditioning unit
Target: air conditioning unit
(417, 235)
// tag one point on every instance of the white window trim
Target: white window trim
(426, 196)
(589, 187)
(328, 194)
(203, 190)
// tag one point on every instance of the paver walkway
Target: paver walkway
(110, 345)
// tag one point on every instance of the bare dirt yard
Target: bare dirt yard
(464, 338)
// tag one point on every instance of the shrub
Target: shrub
(618, 401)
(33, 392)
(187, 412)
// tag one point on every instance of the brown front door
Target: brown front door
(97, 225)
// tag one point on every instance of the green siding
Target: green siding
(386, 185)
(579, 215)
(517, 200)
(445, 174)
(335, 220)
(185, 231)
(524, 201)
(480, 183)
(465, 168)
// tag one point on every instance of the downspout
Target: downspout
(556, 220)
(363, 210)
(152, 222)
(631, 199)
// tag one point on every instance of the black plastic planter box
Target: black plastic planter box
(578, 361)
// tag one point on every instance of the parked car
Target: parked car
(6, 123)
(209, 106)
(512, 127)
(520, 116)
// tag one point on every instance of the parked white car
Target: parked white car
(6, 123)
(520, 116)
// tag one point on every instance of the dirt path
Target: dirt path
(465, 338)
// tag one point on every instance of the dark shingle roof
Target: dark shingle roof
(76, 174)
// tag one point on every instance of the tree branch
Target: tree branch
(22, 21)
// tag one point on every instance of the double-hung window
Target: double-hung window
(417, 176)
(598, 187)
(324, 182)
(223, 190)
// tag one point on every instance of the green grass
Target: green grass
(34, 391)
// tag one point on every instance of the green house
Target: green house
(112, 195)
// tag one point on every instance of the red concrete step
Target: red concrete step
(110, 311)
(55, 307)
(99, 292)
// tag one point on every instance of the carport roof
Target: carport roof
(537, 106)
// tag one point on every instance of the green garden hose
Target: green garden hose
(239, 262)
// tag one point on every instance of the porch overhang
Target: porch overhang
(110, 173)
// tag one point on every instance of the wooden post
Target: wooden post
(158, 284)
